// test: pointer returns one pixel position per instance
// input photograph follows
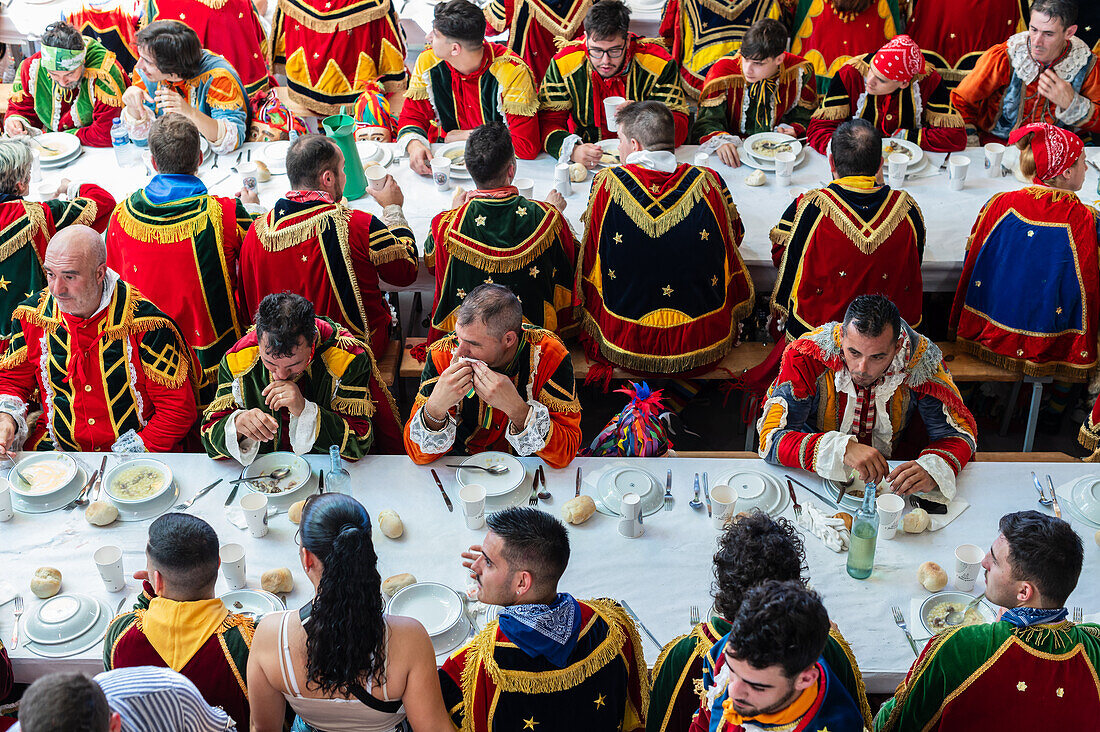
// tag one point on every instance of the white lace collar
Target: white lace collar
(1028, 69)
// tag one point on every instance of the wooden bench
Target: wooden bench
(389, 361)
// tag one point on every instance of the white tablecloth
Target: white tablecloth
(660, 574)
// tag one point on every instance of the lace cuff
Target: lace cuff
(229, 138)
(244, 449)
(829, 456)
(941, 473)
(430, 441)
(723, 138)
(1076, 113)
(73, 191)
(567, 147)
(535, 431)
(17, 409)
(304, 428)
(404, 140)
(129, 441)
(394, 217)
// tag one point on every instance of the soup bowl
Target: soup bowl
(137, 482)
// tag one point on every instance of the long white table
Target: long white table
(660, 574)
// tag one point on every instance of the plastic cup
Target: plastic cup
(441, 173)
(6, 512)
(376, 177)
(108, 560)
(968, 563)
(896, 166)
(994, 155)
(254, 507)
(526, 187)
(46, 191)
(957, 165)
(36, 166)
(563, 184)
(248, 172)
(702, 160)
(889, 507)
(610, 106)
(472, 498)
(723, 499)
(784, 168)
(232, 556)
(630, 521)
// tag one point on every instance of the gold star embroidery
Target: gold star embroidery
(978, 283)
(1031, 232)
(27, 294)
(1059, 692)
(655, 188)
(282, 212)
(489, 281)
(521, 211)
(529, 723)
(843, 273)
(1020, 352)
(952, 35)
(480, 221)
(618, 238)
(534, 271)
(600, 701)
(305, 258)
(704, 234)
(4, 283)
(610, 274)
(884, 275)
(714, 280)
(667, 290)
(461, 294)
(1021, 686)
(1058, 310)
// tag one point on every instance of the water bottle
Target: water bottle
(120, 141)
(337, 480)
(861, 551)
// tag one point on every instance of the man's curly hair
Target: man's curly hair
(779, 624)
(751, 550)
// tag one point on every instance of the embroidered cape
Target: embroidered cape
(537, 28)
(731, 104)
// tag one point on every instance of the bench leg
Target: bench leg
(1033, 415)
(1011, 408)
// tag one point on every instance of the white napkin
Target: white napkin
(7, 592)
(954, 509)
(235, 516)
(830, 530)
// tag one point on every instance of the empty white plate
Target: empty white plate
(495, 485)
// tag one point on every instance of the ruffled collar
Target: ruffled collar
(1076, 55)
(549, 631)
(1022, 617)
(660, 160)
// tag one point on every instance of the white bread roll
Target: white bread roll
(578, 510)
(932, 577)
(391, 585)
(46, 582)
(391, 524)
(277, 580)
(100, 513)
(916, 521)
(756, 178)
(578, 173)
(294, 513)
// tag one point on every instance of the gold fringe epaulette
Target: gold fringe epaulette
(276, 240)
(87, 214)
(188, 228)
(521, 109)
(835, 112)
(220, 404)
(944, 119)
(652, 227)
(504, 264)
(36, 223)
(723, 85)
(353, 407)
(10, 360)
(313, 20)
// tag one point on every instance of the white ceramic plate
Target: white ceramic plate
(610, 145)
(67, 145)
(458, 170)
(93, 637)
(617, 482)
(163, 471)
(436, 606)
(495, 485)
(851, 502)
(253, 602)
(1086, 498)
(905, 147)
(274, 155)
(300, 478)
(931, 601)
(768, 166)
(755, 489)
(148, 511)
(22, 473)
(1086, 486)
(63, 498)
(62, 618)
(775, 138)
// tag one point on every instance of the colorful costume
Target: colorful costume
(334, 257)
(1032, 669)
(921, 111)
(88, 110)
(115, 27)
(1002, 92)
(537, 28)
(347, 403)
(541, 370)
(951, 30)
(229, 28)
(837, 700)
(201, 640)
(122, 380)
(440, 99)
(527, 246)
(848, 239)
(827, 37)
(571, 98)
(700, 32)
(217, 92)
(730, 104)
(332, 49)
(26, 227)
(814, 409)
(174, 225)
(660, 279)
(573, 665)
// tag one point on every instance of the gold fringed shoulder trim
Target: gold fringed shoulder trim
(522, 109)
(277, 239)
(944, 119)
(865, 243)
(353, 407)
(864, 704)
(178, 231)
(220, 404)
(836, 112)
(11, 360)
(510, 261)
(87, 215)
(655, 227)
(36, 223)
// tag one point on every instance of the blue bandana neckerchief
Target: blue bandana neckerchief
(549, 631)
(1022, 617)
(165, 188)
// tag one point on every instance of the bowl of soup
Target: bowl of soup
(136, 482)
(42, 475)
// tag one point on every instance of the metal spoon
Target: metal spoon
(491, 470)
(695, 502)
(1048, 502)
(544, 495)
(956, 617)
(82, 497)
(277, 474)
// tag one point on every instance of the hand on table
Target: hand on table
(470, 556)
(556, 199)
(451, 388)
(1056, 89)
(869, 462)
(587, 154)
(389, 194)
(8, 428)
(62, 188)
(728, 154)
(284, 395)
(420, 158)
(15, 126)
(498, 391)
(909, 478)
(256, 424)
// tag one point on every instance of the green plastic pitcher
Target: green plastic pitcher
(341, 129)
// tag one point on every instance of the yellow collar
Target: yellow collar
(177, 630)
(791, 714)
(865, 182)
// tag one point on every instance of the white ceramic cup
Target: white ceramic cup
(994, 155)
(968, 563)
(610, 106)
(890, 506)
(108, 560)
(248, 172)
(702, 160)
(630, 521)
(896, 166)
(232, 556)
(472, 497)
(526, 187)
(723, 500)
(441, 173)
(376, 177)
(254, 507)
(6, 512)
(957, 165)
(784, 168)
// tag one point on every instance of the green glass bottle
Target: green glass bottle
(861, 551)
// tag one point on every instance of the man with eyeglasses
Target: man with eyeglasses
(608, 62)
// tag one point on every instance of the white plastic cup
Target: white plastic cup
(896, 167)
(6, 512)
(36, 166)
(46, 191)
(610, 106)
(376, 177)
(232, 556)
(525, 186)
(784, 168)
(957, 165)
(968, 563)
(472, 498)
(889, 507)
(254, 507)
(441, 173)
(630, 521)
(702, 160)
(108, 560)
(994, 155)
(563, 184)
(249, 172)
(723, 500)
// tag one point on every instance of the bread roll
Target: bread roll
(845, 517)
(916, 521)
(294, 513)
(46, 582)
(932, 576)
(578, 510)
(391, 524)
(578, 173)
(391, 585)
(277, 580)
(263, 173)
(100, 513)
(756, 178)
(1097, 537)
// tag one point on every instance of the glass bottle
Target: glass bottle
(337, 480)
(861, 551)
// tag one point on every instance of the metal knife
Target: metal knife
(446, 499)
(578, 482)
(321, 483)
(1054, 497)
(800, 484)
(98, 488)
(232, 495)
(706, 495)
(636, 619)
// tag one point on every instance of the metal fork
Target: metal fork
(1078, 614)
(693, 613)
(18, 614)
(668, 492)
(899, 619)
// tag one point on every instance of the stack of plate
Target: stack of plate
(65, 625)
(140, 508)
(439, 609)
(1083, 501)
(754, 156)
(65, 148)
(616, 482)
(502, 490)
(756, 490)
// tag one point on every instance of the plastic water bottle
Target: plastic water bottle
(120, 141)
(338, 480)
(861, 551)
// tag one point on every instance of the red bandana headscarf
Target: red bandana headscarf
(1055, 150)
(899, 60)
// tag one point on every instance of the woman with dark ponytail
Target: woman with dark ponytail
(340, 662)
